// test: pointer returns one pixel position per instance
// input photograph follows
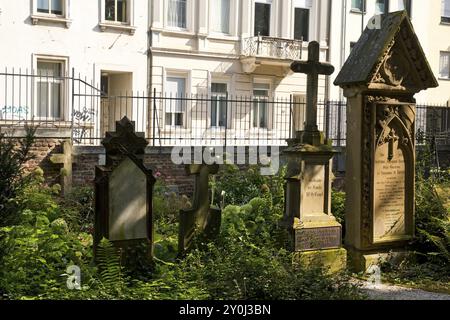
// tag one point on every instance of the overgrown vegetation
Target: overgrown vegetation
(429, 267)
(247, 261)
(14, 154)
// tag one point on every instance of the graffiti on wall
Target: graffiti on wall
(84, 115)
(14, 112)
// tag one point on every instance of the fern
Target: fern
(110, 269)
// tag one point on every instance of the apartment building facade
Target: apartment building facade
(102, 43)
(188, 71)
(431, 20)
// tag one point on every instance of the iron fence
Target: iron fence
(70, 106)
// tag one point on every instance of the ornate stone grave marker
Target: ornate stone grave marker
(123, 190)
(316, 233)
(202, 219)
(386, 68)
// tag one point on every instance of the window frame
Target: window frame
(297, 5)
(359, 10)
(64, 61)
(230, 20)
(227, 109)
(441, 54)
(269, 107)
(271, 18)
(128, 26)
(386, 7)
(189, 15)
(182, 75)
(64, 18)
(445, 19)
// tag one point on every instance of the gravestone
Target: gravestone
(66, 159)
(386, 68)
(315, 232)
(202, 220)
(123, 190)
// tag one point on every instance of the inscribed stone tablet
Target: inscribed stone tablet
(389, 194)
(127, 202)
(314, 190)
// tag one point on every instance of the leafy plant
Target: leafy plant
(14, 154)
(110, 269)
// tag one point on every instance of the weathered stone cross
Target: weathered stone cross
(313, 68)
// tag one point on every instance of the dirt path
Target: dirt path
(389, 292)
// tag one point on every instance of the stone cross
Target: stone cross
(313, 68)
(66, 159)
(202, 220)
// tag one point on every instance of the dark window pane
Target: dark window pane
(262, 19)
(110, 10)
(178, 119)
(301, 24)
(57, 7)
(122, 10)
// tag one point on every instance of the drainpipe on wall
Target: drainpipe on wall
(328, 35)
(344, 39)
(150, 67)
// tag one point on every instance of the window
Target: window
(405, 5)
(359, 5)
(262, 17)
(445, 15)
(301, 31)
(175, 106)
(444, 69)
(260, 105)
(221, 16)
(50, 7)
(381, 6)
(116, 10)
(218, 105)
(176, 13)
(49, 89)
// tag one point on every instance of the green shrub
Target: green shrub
(240, 186)
(14, 154)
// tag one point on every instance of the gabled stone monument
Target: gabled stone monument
(123, 190)
(315, 232)
(386, 68)
(202, 220)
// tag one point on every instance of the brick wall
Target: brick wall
(159, 160)
(42, 149)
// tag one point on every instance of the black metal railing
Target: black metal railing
(73, 107)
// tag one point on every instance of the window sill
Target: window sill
(35, 19)
(444, 79)
(104, 26)
(222, 37)
(178, 32)
(357, 11)
(445, 23)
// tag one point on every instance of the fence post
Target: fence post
(327, 119)
(291, 133)
(339, 123)
(73, 106)
(154, 117)
(226, 118)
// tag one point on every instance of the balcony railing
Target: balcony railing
(272, 48)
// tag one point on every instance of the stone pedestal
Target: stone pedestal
(317, 236)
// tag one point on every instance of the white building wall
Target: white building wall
(426, 18)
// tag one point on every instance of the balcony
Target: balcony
(258, 51)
